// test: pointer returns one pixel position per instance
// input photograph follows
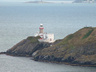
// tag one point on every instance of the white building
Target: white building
(89, 1)
(44, 36)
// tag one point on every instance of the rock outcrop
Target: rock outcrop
(27, 47)
(77, 49)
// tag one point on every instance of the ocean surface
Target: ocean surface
(20, 20)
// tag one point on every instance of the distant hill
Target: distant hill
(85, 1)
(51, 1)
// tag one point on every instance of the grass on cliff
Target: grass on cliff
(33, 39)
(78, 38)
(87, 34)
(65, 40)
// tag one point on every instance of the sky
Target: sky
(30, 0)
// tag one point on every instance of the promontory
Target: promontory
(78, 48)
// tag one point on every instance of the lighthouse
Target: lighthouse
(44, 36)
(41, 28)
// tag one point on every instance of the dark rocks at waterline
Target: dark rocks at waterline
(2, 52)
(70, 60)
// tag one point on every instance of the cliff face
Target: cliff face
(27, 47)
(78, 48)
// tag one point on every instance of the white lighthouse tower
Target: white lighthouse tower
(44, 37)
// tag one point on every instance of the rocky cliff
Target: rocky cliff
(27, 47)
(76, 49)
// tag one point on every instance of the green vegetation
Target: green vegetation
(87, 34)
(33, 39)
(78, 38)
(65, 40)
(70, 36)
(87, 27)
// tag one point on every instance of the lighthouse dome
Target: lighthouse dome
(41, 24)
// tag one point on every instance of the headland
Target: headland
(78, 48)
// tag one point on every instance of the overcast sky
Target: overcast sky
(30, 0)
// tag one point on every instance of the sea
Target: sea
(18, 20)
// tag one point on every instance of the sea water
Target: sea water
(20, 20)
